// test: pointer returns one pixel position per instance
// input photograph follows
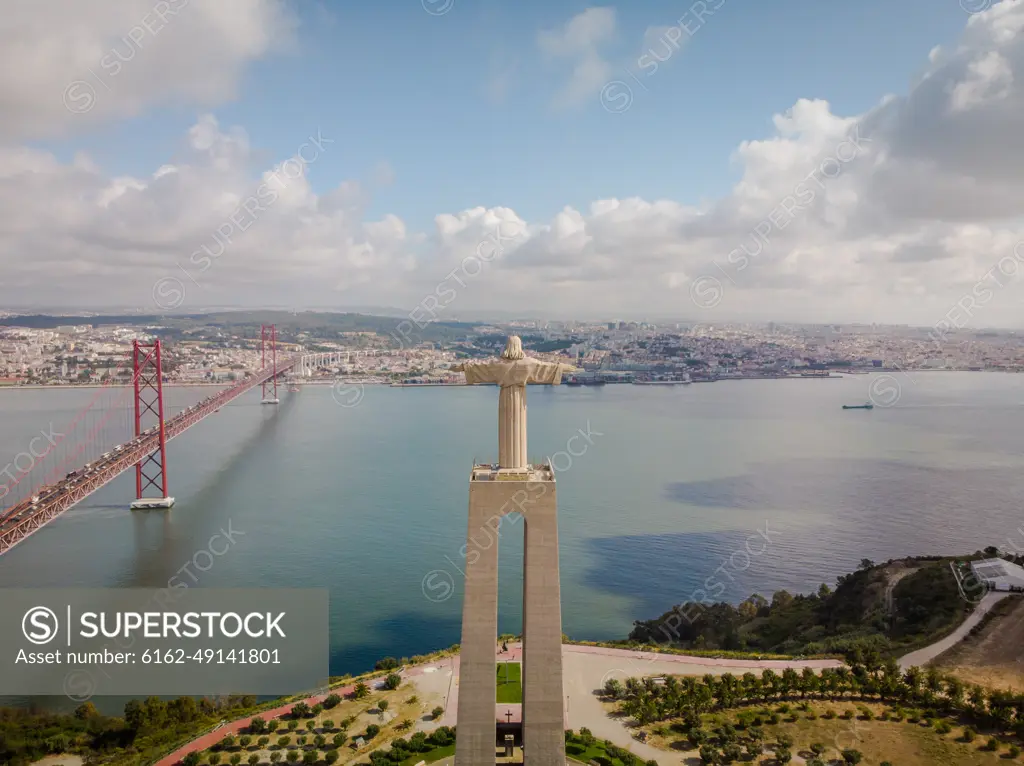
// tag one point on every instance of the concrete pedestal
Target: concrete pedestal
(492, 494)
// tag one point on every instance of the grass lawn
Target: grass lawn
(594, 752)
(510, 687)
(434, 755)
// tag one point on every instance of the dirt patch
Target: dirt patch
(995, 656)
(59, 760)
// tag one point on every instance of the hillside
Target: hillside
(887, 607)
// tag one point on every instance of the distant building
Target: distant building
(999, 574)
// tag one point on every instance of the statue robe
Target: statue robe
(513, 377)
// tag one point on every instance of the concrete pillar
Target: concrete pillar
(543, 716)
(476, 731)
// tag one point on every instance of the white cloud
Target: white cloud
(579, 40)
(68, 64)
(896, 230)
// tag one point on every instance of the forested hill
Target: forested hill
(886, 607)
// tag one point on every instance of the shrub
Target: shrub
(773, 719)
(332, 700)
(731, 752)
(372, 731)
(214, 759)
(968, 735)
(817, 748)
(245, 740)
(437, 712)
(852, 757)
(708, 754)
(943, 727)
(993, 744)
(393, 681)
(829, 714)
(1013, 751)
(386, 663)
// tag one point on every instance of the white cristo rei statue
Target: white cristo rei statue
(513, 371)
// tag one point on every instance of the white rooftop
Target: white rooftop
(1002, 574)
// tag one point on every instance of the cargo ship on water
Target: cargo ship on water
(865, 406)
(577, 380)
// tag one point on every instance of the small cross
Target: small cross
(508, 715)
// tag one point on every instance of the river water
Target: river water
(725, 488)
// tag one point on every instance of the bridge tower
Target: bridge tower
(268, 337)
(150, 471)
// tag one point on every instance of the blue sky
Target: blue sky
(489, 118)
(394, 84)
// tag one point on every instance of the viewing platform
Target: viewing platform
(532, 472)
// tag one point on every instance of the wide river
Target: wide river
(676, 485)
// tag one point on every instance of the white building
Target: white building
(998, 574)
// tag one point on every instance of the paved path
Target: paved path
(929, 653)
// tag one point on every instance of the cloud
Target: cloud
(579, 40)
(67, 65)
(890, 216)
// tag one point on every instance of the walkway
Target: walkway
(929, 653)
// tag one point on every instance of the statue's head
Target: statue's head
(513, 349)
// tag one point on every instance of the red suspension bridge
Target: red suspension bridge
(46, 495)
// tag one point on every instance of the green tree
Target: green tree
(263, 741)
(284, 741)
(386, 663)
(852, 757)
(310, 757)
(85, 711)
(437, 712)
(275, 757)
(214, 759)
(310, 725)
(331, 756)
(192, 759)
(372, 731)
(293, 756)
(257, 725)
(272, 725)
(327, 724)
(339, 739)
(293, 725)
(244, 741)
(361, 691)
(253, 759)
(393, 681)
(236, 758)
(382, 706)
(332, 700)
